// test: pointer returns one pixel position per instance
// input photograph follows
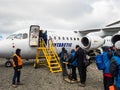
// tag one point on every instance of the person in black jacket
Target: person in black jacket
(115, 68)
(80, 64)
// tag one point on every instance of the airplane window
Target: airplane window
(59, 38)
(11, 36)
(50, 37)
(70, 38)
(78, 39)
(67, 38)
(54, 37)
(63, 38)
(25, 35)
(18, 36)
(74, 38)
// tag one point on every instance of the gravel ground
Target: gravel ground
(43, 79)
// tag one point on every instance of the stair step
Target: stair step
(55, 67)
(53, 63)
(56, 71)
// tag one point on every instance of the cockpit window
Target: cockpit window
(18, 36)
(11, 36)
(25, 35)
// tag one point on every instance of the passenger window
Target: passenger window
(63, 38)
(25, 35)
(70, 38)
(67, 38)
(59, 38)
(78, 39)
(50, 37)
(74, 38)
(54, 37)
(18, 36)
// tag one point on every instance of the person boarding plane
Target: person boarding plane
(28, 41)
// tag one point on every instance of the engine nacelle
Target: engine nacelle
(115, 38)
(92, 42)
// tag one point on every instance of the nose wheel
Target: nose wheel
(8, 64)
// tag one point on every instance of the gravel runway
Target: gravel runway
(43, 79)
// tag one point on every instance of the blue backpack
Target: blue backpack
(99, 62)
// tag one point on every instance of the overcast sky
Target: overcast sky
(57, 14)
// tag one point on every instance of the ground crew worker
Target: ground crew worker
(17, 65)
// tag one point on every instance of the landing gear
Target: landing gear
(8, 64)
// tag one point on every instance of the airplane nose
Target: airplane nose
(6, 49)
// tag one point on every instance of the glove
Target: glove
(15, 68)
(70, 63)
(18, 69)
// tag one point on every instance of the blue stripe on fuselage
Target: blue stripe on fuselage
(63, 44)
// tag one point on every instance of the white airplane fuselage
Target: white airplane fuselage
(9, 45)
(61, 38)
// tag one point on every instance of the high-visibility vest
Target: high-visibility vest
(20, 62)
(112, 87)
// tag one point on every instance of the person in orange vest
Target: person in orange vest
(17, 65)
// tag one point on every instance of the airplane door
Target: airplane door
(34, 35)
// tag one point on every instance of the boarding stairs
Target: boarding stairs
(47, 55)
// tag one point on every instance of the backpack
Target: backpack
(99, 62)
(74, 63)
(63, 56)
(86, 61)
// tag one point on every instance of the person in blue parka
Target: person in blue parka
(108, 79)
(73, 65)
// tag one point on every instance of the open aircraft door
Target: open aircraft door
(34, 35)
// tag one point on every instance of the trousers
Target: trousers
(16, 76)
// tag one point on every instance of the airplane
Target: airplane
(28, 40)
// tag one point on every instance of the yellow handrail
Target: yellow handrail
(52, 47)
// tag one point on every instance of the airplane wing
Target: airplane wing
(85, 32)
(108, 31)
(114, 23)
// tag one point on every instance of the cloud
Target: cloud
(57, 14)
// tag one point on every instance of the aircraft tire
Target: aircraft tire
(8, 64)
